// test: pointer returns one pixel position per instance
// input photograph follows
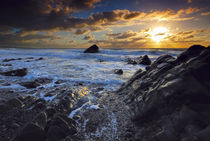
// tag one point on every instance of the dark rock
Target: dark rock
(31, 132)
(50, 112)
(57, 129)
(92, 49)
(39, 105)
(118, 71)
(131, 61)
(41, 119)
(18, 72)
(144, 60)
(204, 135)
(60, 81)
(171, 100)
(36, 83)
(8, 60)
(3, 108)
(190, 53)
(15, 102)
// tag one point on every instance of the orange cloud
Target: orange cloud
(205, 13)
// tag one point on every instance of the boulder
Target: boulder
(92, 49)
(144, 60)
(31, 132)
(118, 71)
(36, 83)
(15, 102)
(18, 72)
(131, 61)
(57, 129)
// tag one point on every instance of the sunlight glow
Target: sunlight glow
(159, 33)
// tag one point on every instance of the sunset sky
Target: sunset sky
(107, 23)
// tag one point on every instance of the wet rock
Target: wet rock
(41, 119)
(3, 108)
(13, 59)
(39, 105)
(60, 81)
(18, 72)
(144, 60)
(92, 49)
(131, 61)
(50, 112)
(170, 100)
(15, 102)
(31, 132)
(57, 129)
(118, 71)
(36, 83)
(190, 53)
(204, 135)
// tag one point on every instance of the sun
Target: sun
(159, 33)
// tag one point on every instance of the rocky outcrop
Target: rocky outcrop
(171, 99)
(143, 60)
(18, 72)
(92, 49)
(37, 82)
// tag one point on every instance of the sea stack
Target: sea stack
(93, 49)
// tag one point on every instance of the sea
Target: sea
(74, 66)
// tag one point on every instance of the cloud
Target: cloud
(10, 38)
(186, 36)
(40, 14)
(189, 1)
(88, 37)
(125, 35)
(80, 31)
(205, 13)
(44, 17)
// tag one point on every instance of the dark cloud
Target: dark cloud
(88, 37)
(40, 14)
(8, 38)
(80, 31)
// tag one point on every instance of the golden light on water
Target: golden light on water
(159, 33)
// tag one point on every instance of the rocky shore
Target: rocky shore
(169, 101)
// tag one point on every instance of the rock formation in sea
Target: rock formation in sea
(143, 60)
(92, 49)
(170, 101)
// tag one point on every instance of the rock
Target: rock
(39, 105)
(18, 72)
(144, 60)
(57, 129)
(31, 132)
(41, 119)
(131, 61)
(171, 100)
(140, 60)
(92, 49)
(15, 102)
(3, 108)
(118, 71)
(190, 53)
(36, 83)
(8, 60)
(204, 135)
